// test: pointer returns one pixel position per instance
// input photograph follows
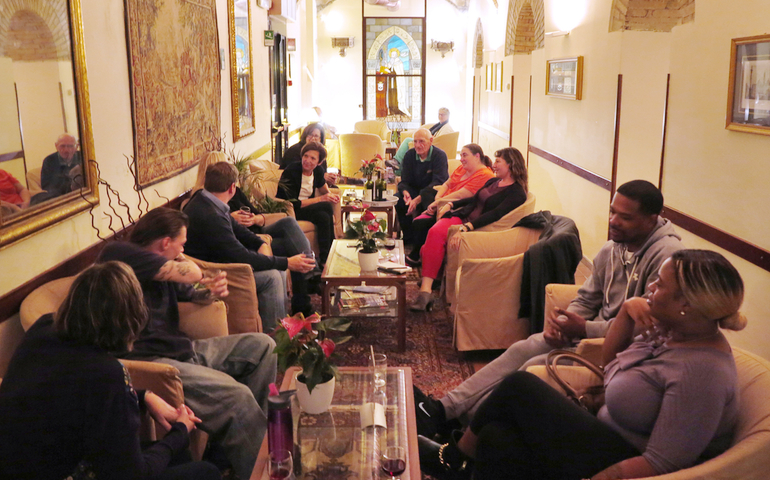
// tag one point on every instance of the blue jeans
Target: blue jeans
(271, 295)
(226, 385)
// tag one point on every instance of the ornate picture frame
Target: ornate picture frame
(748, 96)
(241, 76)
(564, 78)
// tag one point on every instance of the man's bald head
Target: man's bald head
(422, 142)
(66, 145)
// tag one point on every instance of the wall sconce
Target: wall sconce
(560, 33)
(442, 47)
(342, 43)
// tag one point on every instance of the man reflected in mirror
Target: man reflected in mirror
(62, 171)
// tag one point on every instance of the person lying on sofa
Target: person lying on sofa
(671, 394)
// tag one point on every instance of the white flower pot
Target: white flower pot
(368, 261)
(319, 400)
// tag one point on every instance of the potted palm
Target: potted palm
(304, 342)
(367, 230)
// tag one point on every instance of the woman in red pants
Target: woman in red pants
(499, 196)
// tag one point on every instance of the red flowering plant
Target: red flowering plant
(303, 342)
(368, 167)
(367, 230)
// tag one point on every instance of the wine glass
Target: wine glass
(393, 461)
(378, 367)
(281, 466)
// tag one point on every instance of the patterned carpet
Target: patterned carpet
(436, 366)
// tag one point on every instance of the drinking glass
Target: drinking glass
(246, 210)
(393, 461)
(281, 466)
(389, 243)
(378, 367)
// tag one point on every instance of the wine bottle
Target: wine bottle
(368, 190)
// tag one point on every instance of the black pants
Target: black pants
(182, 467)
(420, 228)
(404, 220)
(528, 430)
(322, 216)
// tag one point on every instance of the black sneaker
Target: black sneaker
(430, 414)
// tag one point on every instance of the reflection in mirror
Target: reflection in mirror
(240, 68)
(43, 116)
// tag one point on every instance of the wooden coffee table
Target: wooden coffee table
(342, 269)
(332, 444)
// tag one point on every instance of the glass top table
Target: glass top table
(332, 445)
(342, 270)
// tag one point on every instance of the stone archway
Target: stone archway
(45, 18)
(644, 15)
(525, 28)
(478, 52)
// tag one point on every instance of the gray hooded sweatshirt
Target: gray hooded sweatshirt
(614, 280)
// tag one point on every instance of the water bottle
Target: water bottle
(280, 425)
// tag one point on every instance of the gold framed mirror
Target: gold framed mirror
(242, 83)
(47, 171)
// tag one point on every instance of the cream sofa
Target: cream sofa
(749, 456)
(237, 314)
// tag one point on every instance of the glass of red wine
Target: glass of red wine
(393, 461)
(281, 465)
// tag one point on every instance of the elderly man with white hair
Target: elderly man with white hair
(442, 127)
(62, 171)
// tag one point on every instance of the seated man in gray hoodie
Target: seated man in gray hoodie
(640, 240)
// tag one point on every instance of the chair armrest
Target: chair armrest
(242, 307)
(271, 218)
(203, 321)
(161, 378)
(268, 239)
(480, 244)
(591, 348)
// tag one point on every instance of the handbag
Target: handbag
(590, 398)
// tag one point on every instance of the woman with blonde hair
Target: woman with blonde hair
(499, 196)
(671, 394)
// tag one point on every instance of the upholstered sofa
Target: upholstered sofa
(375, 127)
(749, 456)
(237, 314)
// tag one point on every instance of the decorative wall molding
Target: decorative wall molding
(576, 169)
(489, 128)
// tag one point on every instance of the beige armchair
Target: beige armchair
(357, 147)
(747, 458)
(375, 127)
(453, 257)
(488, 281)
(34, 182)
(448, 143)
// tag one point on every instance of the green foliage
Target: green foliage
(272, 205)
(367, 230)
(306, 348)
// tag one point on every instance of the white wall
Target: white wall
(107, 68)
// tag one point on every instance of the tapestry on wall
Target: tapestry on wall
(175, 88)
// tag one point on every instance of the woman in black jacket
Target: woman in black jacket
(499, 196)
(67, 407)
(306, 188)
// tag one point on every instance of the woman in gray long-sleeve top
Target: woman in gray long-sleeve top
(671, 396)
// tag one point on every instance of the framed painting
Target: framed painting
(175, 84)
(242, 83)
(748, 97)
(564, 78)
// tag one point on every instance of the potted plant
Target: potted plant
(367, 230)
(303, 342)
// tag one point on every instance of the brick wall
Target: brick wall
(650, 15)
(525, 30)
(34, 30)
